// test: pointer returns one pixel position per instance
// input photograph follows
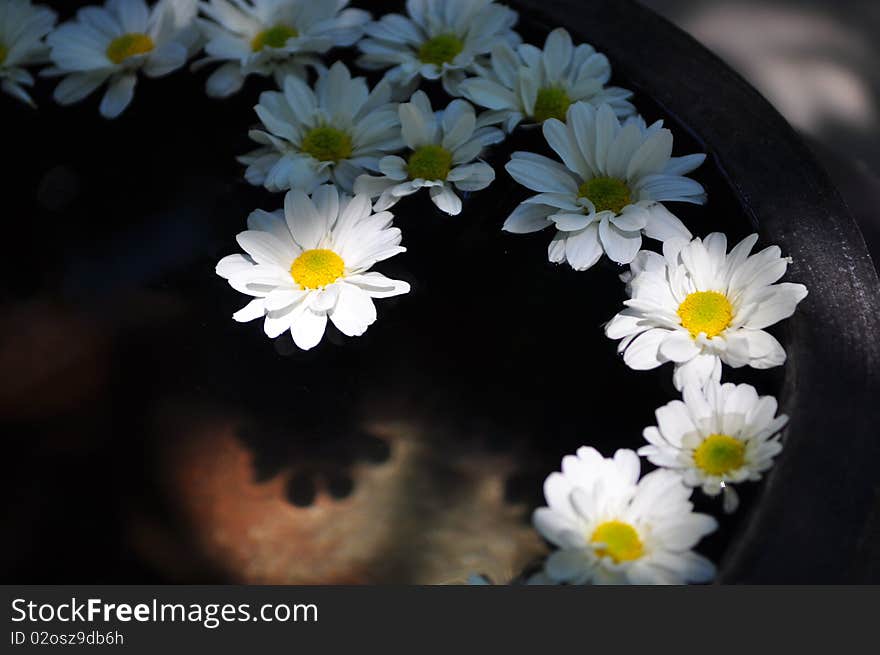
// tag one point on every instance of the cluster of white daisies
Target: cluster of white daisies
(345, 153)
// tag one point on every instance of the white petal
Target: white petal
(118, 96)
(446, 199)
(528, 218)
(583, 250)
(354, 311)
(308, 328)
(620, 246)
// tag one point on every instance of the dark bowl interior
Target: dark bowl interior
(118, 346)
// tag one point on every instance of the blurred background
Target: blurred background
(816, 61)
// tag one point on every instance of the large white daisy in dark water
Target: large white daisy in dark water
(699, 306)
(718, 436)
(613, 528)
(310, 263)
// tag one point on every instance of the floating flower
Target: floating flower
(273, 37)
(333, 133)
(699, 306)
(613, 528)
(22, 28)
(311, 262)
(609, 191)
(186, 23)
(443, 147)
(532, 84)
(113, 43)
(440, 39)
(719, 436)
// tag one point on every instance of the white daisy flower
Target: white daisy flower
(113, 43)
(22, 28)
(609, 191)
(443, 148)
(699, 306)
(273, 37)
(440, 39)
(530, 84)
(311, 261)
(613, 528)
(719, 436)
(333, 133)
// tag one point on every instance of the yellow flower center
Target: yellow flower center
(720, 454)
(705, 311)
(129, 45)
(429, 163)
(620, 541)
(606, 194)
(273, 37)
(317, 268)
(442, 49)
(327, 144)
(3, 52)
(552, 102)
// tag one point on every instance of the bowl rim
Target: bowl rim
(832, 376)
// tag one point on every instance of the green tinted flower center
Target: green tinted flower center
(429, 162)
(620, 541)
(327, 144)
(552, 102)
(708, 312)
(606, 194)
(273, 37)
(317, 268)
(441, 49)
(129, 45)
(720, 454)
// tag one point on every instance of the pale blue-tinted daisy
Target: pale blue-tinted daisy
(333, 133)
(111, 44)
(609, 189)
(273, 37)
(438, 39)
(22, 28)
(526, 83)
(442, 149)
